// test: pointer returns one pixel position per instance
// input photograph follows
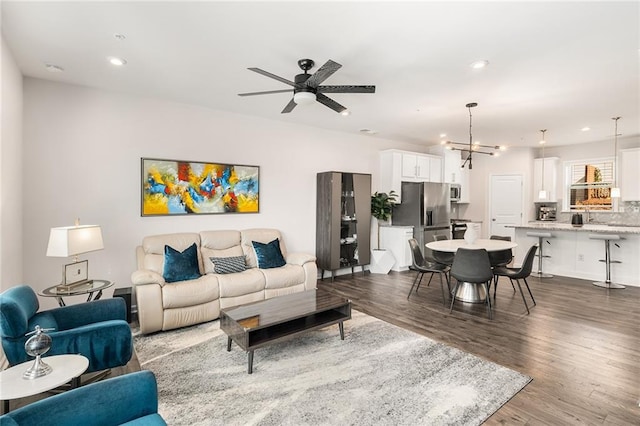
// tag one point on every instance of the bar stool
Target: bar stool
(540, 235)
(607, 258)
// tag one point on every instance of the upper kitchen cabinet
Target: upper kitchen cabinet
(403, 166)
(629, 174)
(550, 179)
(453, 171)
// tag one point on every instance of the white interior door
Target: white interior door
(505, 207)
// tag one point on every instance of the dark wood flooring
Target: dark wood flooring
(581, 343)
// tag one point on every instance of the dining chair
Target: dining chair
(427, 265)
(440, 237)
(472, 266)
(521, 273)
(500, 258)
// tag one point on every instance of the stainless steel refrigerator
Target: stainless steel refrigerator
(426, 207)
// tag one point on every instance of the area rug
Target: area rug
(380, 374)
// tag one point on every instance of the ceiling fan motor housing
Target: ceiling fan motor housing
(300, 81)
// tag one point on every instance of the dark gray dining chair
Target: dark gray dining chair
(521, 273)
(472, 266)
(500, 258)
(427, 265)
(440, 237)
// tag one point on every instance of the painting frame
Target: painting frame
(171, 187)
(76, 273)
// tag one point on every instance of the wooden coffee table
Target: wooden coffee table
(269, 321)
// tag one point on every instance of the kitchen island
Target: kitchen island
(574, 254)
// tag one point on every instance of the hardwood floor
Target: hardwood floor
(581, 343)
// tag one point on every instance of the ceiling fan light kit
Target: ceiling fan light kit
(307, 88)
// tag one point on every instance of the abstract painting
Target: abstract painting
(173, 187)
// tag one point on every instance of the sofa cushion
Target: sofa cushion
(219, 244)
(268, 255)
(180, 265)
(228, 265)
(189, 293)
(249, 281)
(286, 276)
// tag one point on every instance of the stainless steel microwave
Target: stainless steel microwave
(455, 192)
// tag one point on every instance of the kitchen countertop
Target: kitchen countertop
(590, 227)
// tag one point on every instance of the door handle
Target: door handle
(493, 220)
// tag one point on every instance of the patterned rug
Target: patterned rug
(380, 374)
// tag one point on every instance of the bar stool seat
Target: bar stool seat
(607, 238)
(540, 235)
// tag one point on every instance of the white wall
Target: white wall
(82, 150)
(10, 171)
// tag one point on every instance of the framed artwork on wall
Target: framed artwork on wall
(175, 187)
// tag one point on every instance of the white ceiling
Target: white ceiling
(560, 66)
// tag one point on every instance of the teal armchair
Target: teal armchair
(98, 330)
(131, 399)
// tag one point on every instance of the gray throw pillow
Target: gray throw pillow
(228, 265)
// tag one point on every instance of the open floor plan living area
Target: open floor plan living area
(319, 213)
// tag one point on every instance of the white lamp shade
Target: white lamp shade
(73, 240)
(304, 98)
(615, 192)
(542, 195)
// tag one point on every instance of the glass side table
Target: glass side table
(93, 290)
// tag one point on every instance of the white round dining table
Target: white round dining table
(469, 292)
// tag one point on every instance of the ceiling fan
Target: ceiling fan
(307, 88)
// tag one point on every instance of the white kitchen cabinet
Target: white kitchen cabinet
(453, 172)
(629, 174)
(396, 239)
(398, 166)
(550, 179)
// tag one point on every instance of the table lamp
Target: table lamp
(74, 240)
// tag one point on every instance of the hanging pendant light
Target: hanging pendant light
(615, 191)
(473, 147)
(542, 194)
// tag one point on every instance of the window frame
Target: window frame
(567, 183)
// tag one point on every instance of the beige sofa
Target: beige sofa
(164, 306)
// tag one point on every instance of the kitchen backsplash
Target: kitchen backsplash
(630, 215)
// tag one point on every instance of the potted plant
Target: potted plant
(382, 207)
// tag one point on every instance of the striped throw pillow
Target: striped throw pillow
(228, 265)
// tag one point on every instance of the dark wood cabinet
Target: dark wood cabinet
(343, 221)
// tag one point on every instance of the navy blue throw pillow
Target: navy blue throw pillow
(269, 255)
(180, 266)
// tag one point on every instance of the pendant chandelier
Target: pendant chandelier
(615, 191)
(542, 195)
(472, 147)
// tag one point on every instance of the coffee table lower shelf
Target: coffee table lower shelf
(252, 338)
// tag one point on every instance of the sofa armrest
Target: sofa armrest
(299, 258)
(112, 401)
(146, 276)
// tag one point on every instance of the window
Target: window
(588, 184)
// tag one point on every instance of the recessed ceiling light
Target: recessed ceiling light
(585, 129)
(443, 135)
(346, 112)
(368, 131)
(117, 61)
(479, 64)
(53, 68)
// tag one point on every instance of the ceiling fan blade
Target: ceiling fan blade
(323, 73)
(265, 93)
(290, 106)
(346, 89)
(275, 77)
(330, 103)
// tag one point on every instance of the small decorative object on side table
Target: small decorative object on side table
(37, 345)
